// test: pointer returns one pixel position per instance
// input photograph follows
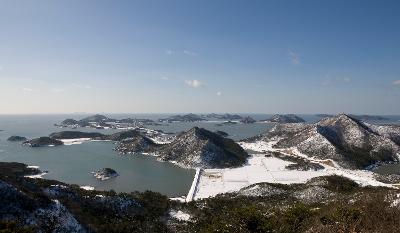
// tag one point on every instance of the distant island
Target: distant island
(227, 123)
(102, 122)
(16, 139)
(247, 120)
(360, 117)
(286, 118)
(183, 118)
(226, 116)
(206, 117)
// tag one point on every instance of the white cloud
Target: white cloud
(194, 83)
(328, 80)
(397, 82)
(219, 93)
(82, 86)
(27, 89)
(164, 78)
(294, 58)
(190, 53)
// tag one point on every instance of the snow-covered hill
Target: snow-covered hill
(344, 139)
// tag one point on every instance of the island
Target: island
(360, 117)
(206, 149)
(226, 116)
(370, 117)
(16, 139)
(183, 118)
(226, 123)
(248, 120)
(286, 118)
(43, 141)
(105, 174)
(99, 121)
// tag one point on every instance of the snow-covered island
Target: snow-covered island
(103, 122)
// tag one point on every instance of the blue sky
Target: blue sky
(200, 56)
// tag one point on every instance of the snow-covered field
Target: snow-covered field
(270, 169)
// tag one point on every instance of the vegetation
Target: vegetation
(12, 227)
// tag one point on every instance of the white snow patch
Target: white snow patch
(87, 187)
(37, 176)
(180, 199)
(75, 141)
(396, 201)
(180, 215)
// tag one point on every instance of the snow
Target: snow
(86, 187)
(59, 186)
(180, 215)
(260, 168)
(37, 176)
(160, 140)
(396, 201)
(75, 141)
(180, 199)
